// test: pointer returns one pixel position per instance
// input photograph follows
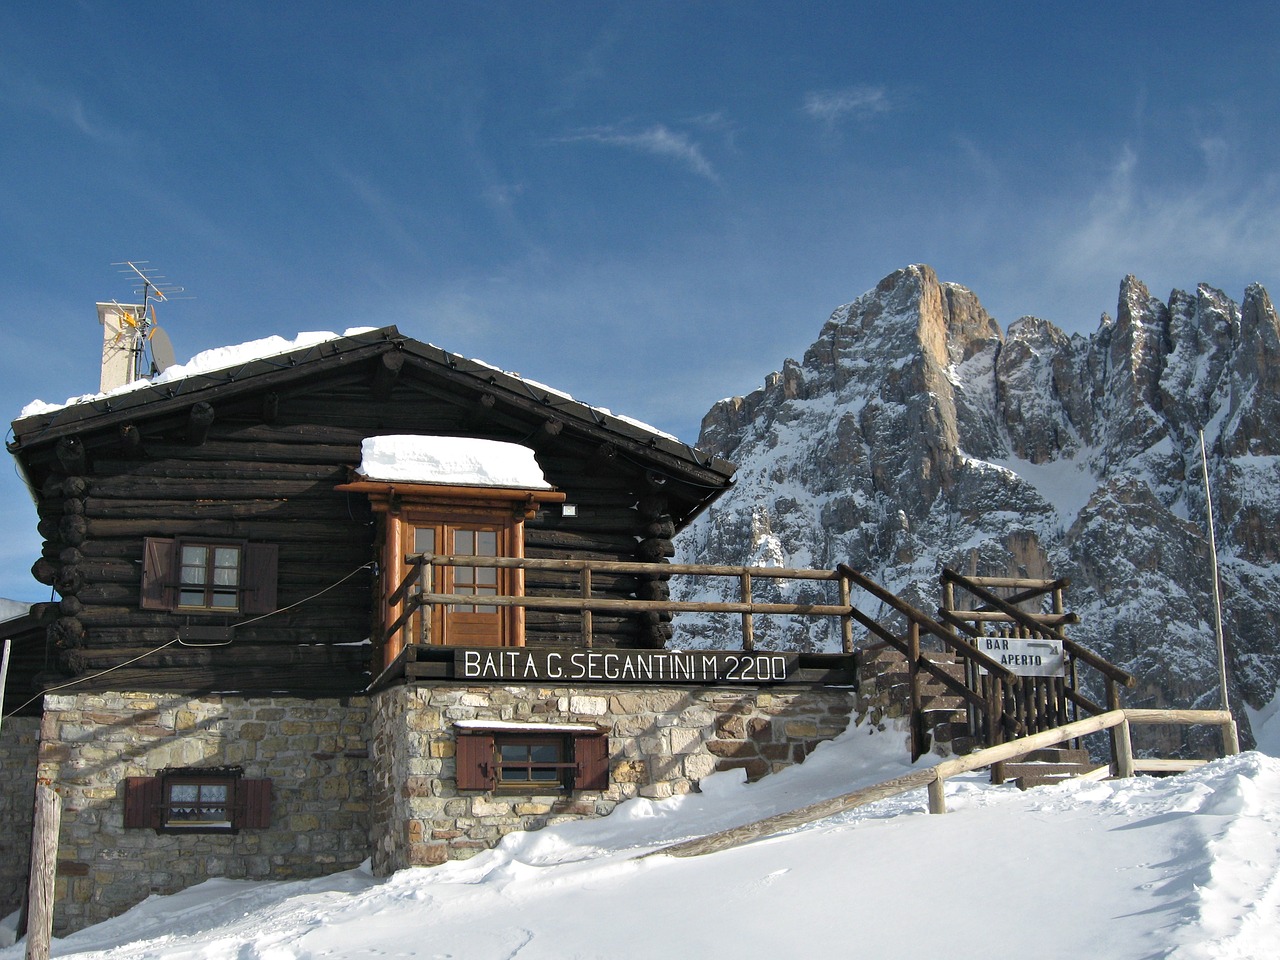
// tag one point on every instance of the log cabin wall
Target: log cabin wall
(257, 460)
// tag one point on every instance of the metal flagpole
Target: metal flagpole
(1217, 599)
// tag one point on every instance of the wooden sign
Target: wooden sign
(1025, 658)
(622, 666)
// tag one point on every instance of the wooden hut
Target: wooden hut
(242, 678)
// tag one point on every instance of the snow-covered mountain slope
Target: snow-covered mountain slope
(1186, 867)
(914, 434)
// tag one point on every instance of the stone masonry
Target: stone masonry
(662, 742)
(314, 753)
(360, 775)
(18, 742)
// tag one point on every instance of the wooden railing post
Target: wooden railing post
(913, 675)
(1122, 748)
(1113, 703)
(846, 622)
(748, 629)
(426, 585)
(587, 625)
(1230, 739)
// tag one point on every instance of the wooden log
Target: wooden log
(71, 455)
(736, 836)
(311, 508)
(386, 372)
(143, 489)
(67, 632)
(130, 440)
(1166, 766)
(199, 420)
(574, 542)
(654, 548)
(216, 450)
(69, 581)
(270, 407)
(265, 530)
(44, 865)
(72, 530)
(115, 476)
(45, 571)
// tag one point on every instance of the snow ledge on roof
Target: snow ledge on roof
(457, 461)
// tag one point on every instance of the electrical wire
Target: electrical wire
(180, 641)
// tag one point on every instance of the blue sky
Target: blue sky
(648, 205)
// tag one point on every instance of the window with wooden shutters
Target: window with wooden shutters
(202, 576)
(197, 800)
(540, 761)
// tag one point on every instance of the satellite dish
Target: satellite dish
(162, 357)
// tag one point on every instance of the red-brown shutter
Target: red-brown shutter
(142, 801)
(260, 561)
(159, 574)
(591, 753)
(474, 758)
(253, 804)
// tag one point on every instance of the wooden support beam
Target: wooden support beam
(199, 420)
(44, 865)
(131, 440)
(270, 407)
(71, 455)
(385, 374)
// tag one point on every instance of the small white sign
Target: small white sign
(1026, 658)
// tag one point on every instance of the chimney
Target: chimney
(121, 345)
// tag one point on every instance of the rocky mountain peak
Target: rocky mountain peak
(914, 435)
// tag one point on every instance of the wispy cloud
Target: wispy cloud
(657, 140)
(64, 107)
(830, 107)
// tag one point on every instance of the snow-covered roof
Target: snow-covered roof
(464, 461)
(276, 363)
(210, 361)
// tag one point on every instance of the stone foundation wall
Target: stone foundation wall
(18, 741)
(314, 752)
(662, 742)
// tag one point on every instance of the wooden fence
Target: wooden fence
(934, 778)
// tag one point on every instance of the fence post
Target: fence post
(1230, 739)
(44, 865)
(748, 629)
(937, 795)
(587, 624)
(1122, 746)
(846, 622)
(426, 584)
(913, 675)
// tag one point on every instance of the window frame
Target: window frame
(149, 803)
(208, 586)
(583, 763)
(161, 585)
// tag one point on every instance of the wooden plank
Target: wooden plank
(1166, 766)
(44, 865)
(736, 836)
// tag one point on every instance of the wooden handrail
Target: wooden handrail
(1021, 617)
(621, 566)
(928, 623)
(935, 777)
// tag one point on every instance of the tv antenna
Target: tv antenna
(133, 345)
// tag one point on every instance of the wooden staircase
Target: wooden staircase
(1048, 765)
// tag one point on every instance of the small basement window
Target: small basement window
(197, 800)
(203, 803)
(531, 758)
